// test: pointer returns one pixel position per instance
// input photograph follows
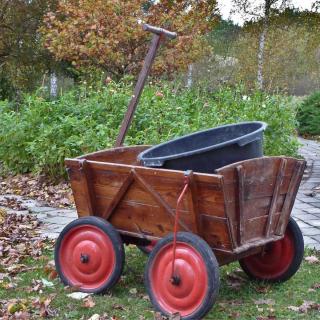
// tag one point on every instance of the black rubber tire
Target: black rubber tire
(212, 270)
(293, 267)
(117, 245)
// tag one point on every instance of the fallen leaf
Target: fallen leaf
(53, 275)
(293, 308)
(263, 289)
(47, 283)
(133, 291)
(312, 259)
(95, 317)
(117, 306)
(3, 214)
(305, 307)
(22, 315)
(269, 302)
(175, 316)
(78, 295)
(88, 302)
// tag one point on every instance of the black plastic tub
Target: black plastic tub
(205, 151)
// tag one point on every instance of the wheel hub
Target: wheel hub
(84, 258)
(175, 280)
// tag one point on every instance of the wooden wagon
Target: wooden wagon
(239, 213)
(192, 221)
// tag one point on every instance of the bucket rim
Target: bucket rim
(160, 160)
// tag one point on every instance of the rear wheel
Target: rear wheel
(195, 285)
(89, 255)
(280, 260)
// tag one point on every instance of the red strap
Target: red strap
(175, 230)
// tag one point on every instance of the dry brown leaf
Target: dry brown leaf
(269, 302)
(88, 302)
(117, 306)
(305, 307)
(175, 316)
(22, 315)
(312, 259)
(39, 188)
(95, 317)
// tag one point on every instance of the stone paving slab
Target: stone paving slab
(306, 209)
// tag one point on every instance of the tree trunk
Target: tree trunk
(190, 80)
(262, 40)
(53, 85)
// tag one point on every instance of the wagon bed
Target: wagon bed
(236, 211)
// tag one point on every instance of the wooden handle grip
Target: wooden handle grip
(160, 31)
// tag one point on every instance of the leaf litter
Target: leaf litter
(19, 240)
(38, 188)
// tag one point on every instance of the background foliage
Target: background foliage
(23, 60)
(42, 133)
(309, 115)
(106, 34)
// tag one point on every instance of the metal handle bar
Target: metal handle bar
(159, 31)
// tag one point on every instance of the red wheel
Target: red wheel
(147, 249)
(280, 260)
(89, 254)
(193, 289)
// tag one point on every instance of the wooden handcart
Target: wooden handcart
(195, 222)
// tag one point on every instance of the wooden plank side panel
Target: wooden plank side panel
(139, 209)
(257, 188)
(257, 226)
(79, 188)
(275, 196)
(262, 181)
(241, 213)
(146, 220)
(215, 232)
(210, 196)
(124, 155)
(257, 167)
(290, 196)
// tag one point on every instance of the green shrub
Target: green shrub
(308, 115)
(42, 133)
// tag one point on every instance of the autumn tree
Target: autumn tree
(106, 34)
(22, 57)
(291, 52)
(260, 10)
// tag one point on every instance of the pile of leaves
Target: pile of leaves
(20, 241)
(38, 188)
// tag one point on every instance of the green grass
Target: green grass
(126, 303)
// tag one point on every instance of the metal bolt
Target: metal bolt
(84, 258)
(175, 280)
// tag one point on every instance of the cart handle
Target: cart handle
(159, 31)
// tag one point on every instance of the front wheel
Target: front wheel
(89, 255)
(192, 290)
(280, 260)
